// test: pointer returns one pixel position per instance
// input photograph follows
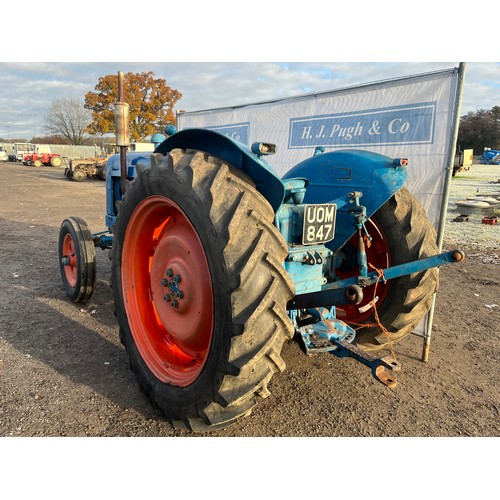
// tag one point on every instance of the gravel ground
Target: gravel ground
(480, 180)
(63, 372)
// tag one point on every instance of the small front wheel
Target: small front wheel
(77, 260)
(79, 175)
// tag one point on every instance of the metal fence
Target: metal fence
(68, 151)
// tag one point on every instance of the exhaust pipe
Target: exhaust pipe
(122, 122)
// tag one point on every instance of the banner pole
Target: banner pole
(445, 198)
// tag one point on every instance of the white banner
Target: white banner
(401, 118)
(408, 117)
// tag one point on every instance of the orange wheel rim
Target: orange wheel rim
(379, 255)
(71, 265)
(167, 291)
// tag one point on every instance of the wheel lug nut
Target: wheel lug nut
(166, 297)
(174, 304)
(164, 282)
(169, 272)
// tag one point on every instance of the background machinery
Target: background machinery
(42, 155)
(490, 157)
(81, 168)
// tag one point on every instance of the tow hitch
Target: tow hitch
(334, 336)
(377, 365)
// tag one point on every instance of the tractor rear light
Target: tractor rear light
(263, 148)
(400, 162)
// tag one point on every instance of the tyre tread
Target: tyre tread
(420, 238)
(253, 251)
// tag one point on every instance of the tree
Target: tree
(480, 129)
(50, 139)
(151, 102)
(495, 111)
(69, 118)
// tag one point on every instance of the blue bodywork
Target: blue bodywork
(333, 175)
(491, 157)
(234, 153)
(113, 193)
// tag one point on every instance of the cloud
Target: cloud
(28, 89)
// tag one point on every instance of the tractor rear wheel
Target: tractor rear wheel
(200, 289)
(77, 259)
(56, 161)
(401, 233)
(101, 172)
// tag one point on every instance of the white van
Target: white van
(3, 154)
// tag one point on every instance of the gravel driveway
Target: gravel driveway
(63, 371)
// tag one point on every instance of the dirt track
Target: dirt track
(63, 371)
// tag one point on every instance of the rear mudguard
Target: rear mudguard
(333, 175)
(234, 153)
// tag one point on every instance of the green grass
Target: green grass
(468, 178)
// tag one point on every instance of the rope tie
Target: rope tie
(380, 275)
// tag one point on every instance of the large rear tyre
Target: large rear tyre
(401, 233)
(200, 289)
(77, 260)
(56, 161)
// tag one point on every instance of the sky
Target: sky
(328, 45)
(29, 88)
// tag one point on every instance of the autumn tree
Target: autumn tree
(151, 102)
(69, 118)
(480, 129)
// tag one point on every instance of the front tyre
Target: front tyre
(77, 260)
(78, 175)
(200, 290)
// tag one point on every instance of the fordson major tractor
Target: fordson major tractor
(216, 262)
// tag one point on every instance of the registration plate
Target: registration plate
(319, 224)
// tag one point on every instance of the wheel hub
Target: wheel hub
(173, 291)
(69, 260)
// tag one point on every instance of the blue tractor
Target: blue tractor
(216, 262)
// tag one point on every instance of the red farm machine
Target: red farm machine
(42, 155)
(216, 262)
